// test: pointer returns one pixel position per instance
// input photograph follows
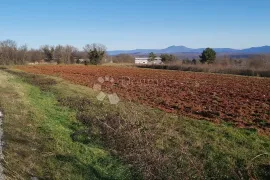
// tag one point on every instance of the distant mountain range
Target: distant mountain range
(183, 49)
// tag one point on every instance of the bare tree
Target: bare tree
(58, 54)
(65, 54)
(21, 55)
(48, 52)
(8, 49)
(34, 55)
(123, 58)
(68, 54)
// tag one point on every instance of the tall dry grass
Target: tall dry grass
(257, 65)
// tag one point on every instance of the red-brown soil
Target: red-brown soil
(242, 101)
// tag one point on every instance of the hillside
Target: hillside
(184, 49)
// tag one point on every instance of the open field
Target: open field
(237, 100)
(135, 90)
(54, 129)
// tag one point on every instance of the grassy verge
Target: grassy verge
(76, 132)
(38, 138)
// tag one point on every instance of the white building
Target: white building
(145, 60)
(141, 60)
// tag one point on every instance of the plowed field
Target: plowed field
(242, 101)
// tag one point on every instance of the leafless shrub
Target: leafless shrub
(255, 66)
(123, 58)
(64, 54)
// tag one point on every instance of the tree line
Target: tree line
(208, 56)
(12, 54)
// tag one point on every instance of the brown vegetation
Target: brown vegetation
(123, 58)
(256, 65)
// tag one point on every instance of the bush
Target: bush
(208, 56)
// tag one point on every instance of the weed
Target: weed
(77, 103)
(37, 80)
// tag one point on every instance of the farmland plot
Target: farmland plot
(241, 101)
(138, 142)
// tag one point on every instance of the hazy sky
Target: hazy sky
(130, 24)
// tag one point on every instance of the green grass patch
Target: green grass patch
(80, 133)
(162, 146)
(41, 144)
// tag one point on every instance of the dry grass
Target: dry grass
(39, 139)
(19, 141)
(244, 71)
(156, 144)
(43, 83)
(163, 146)
(119, 64)
(256, 65)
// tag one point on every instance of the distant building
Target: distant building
(141, 60)
(156, 61)
(145, 60)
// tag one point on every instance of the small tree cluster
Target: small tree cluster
(11, 53)
(152, 56)
(95, 53)
(48, 52)
(187, 61)
(65, 54)
(168, 58)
